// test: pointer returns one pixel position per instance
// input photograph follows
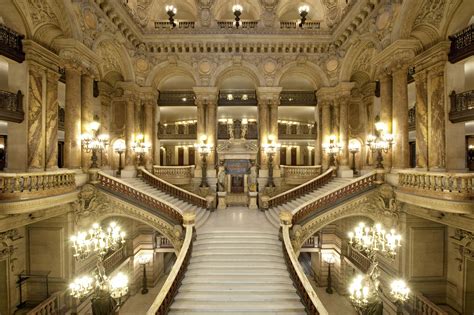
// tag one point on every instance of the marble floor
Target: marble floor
(140, 303)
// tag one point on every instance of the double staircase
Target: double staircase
(138, 183)
(334, 183)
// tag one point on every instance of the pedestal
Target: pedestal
(344, 171)
(221, 202)
(253, 200)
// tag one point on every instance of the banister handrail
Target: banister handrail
(422, 305)
(302, 189)
(169, 289)
(306, 291)
(125, 191)
(173, 190)
(333, 196)
(50, 306)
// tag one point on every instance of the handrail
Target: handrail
(125, 191)
(423, 306)
(39, 184)
(306, 291)
(450, 186)
(169, 289)
(173, 190)
(302, 189)
(49, 306)
(334, 196)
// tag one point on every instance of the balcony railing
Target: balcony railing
(11, 106)
(125, 191)
(332, 198)
(163, 300)
(11, 45)
(176, 175)
(412, 119)
(237, 128)
(449, 186)
(179, 24)
(237, 98)
(420, 305)
(462, 106)
(308, 25)
(61, 118)
(19, 186)
(295, 175)
(181, 131)
(173, 190)
(297, 130)
(243, 24)
(462, 44)
(358, 259)
(300, 98)
(50, 306)
(176, 98)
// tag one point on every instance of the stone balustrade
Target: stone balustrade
(176, 175)
(449, 186)
(419, 304)
(50, 306)
(296, 175)
(112, 261)
(163, 300)
(20, 186)
(305, 290)
(311, 25)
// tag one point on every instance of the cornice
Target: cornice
(432, 56)
(31, 205)
(402, 50)
(17, 221)
(42, 56)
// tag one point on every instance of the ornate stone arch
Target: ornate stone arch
(229, 69)
(166, 69)
(308, 69)
(358, 56)
(403, 24)
(114, 57)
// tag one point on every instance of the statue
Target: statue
(221, 179)
(252, 178)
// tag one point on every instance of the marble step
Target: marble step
(236, 258)
(237, 280)
(217, 306)
(239, 234)
(227, 312)
(272, 220)
(237, 246)
(235, 297)
(253, 265)
(232, 288)
(237, 272)
(231, 241)
(237, 252)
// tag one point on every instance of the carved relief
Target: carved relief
(431, 13)
(89, 203)
(41, 12)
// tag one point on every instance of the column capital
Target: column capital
(402, 50)
(76, 54)
(368, 89)
(432, 56)
(206, 93)
(37, 54)
(269, 92)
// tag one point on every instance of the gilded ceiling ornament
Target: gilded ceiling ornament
(41, 12)
(90, 19)
(89, 203)
(431, 13)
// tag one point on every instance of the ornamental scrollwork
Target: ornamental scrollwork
(89, 204)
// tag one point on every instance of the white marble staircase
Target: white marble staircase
(273, 213)
(201, 214)
(237, 272)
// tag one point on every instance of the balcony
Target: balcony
(462, 106)
(160, 25)
(291, 130)
(462, 44)
(176, 98)
(11, 106)
(185, 130)
(237, 98)
(309, 25)
(243, 24)
(298, 98)
(236, 129)
(10, 44)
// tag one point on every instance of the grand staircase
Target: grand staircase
(201, 214)
(273, 213)
(236, 267)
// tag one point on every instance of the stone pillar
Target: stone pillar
(317, 146)
(386, 110)
(156, 142)
(211, 131)
(148, 132)
(36, 139)
(437, 124)
(105, 91)
(368, 92)
(326, 129)
(401, 149)
(200, 129)
(87, 113)
(129, 134)
(52, 120)
(273, 129)
(344, 130)
(421, 121)
(263, 131)
(72, 120)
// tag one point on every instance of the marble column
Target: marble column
(263, 130)
(386, 110)
(52, 120)
(201, 127)
(335, 117)
(105, 91)
(72, 120)
(325, 129)
(273, 127)
(401, 149)
(36, 139)
(87, 113)
(317, 147)
(156, 142)
(148, 130)
(129, 134)
(211, 131)
(368, 104)
(344, 130)
(421, 121)
(437, 124)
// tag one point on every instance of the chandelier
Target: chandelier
(303, 10)
(204, 149)
(140, 147)
(237, 10)
(270, 148)
(171, 11)
(94, 142)
(332, 148)
(381, 142)
(372, 240)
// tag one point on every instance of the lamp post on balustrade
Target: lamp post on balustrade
(144, 260)
(94, 143)
(329, 259)
(204, 149)
(354, 148)
(270, 148)
(120, 147)
(140, 147)
(380, 143)
(332, 148)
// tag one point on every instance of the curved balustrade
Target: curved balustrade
(176, 175)
(334, 197)
(173, 190)
(299, 174)
(166, 296)
(305, 290)
(123, 190)
(451, 186)
(420, 305)
(18, 186)
(301, 190)
(50, 306)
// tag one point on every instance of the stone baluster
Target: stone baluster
(72, 120)
(52, 120)
(401, 147)
(87, 112)
(421, 120)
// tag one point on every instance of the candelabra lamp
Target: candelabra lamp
(140, 147)
(303, 10)
(237, 10)
(332, 148)
(204, 149)
(270, 148)
(171, 11)
(470, 152)
(354, 148)
(144, 260)
(119, 147)
(372, 241)
(380, 143)
(329, 259)
(93, 142)
(106, 290)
